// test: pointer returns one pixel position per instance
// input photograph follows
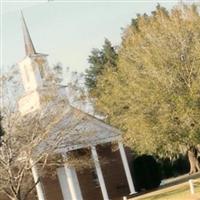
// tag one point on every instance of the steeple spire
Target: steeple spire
(29, 48)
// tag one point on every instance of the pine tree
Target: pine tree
(99, 60)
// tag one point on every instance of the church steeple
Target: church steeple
(34, 66)
(34, 72)
(29, 47)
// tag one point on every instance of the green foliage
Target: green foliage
(153, 94)
(99, 60)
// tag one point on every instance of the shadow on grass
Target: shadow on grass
(168, 194)
(175, 191)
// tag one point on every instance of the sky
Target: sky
(68, 30)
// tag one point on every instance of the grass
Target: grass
(177, 192)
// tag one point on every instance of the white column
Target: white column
(73, 183)
(99, 173)
(39, 188)
(63, 183)
(126, 168)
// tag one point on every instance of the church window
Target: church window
(41, 66)
(95, 178)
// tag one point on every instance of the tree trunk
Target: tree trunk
(193, 160)
(12, 197)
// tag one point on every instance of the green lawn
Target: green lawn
(177, 192)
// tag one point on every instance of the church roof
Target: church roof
(79, 130)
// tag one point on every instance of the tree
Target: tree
(153, 94)
(99, 60)
(33, 139)
(26, 136)
(147, 173)
(19, 150)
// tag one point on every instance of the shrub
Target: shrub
(146, 173)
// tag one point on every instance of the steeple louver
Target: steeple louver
(29, 48)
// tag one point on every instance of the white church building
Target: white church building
(110, 181)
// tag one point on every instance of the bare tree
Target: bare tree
(33, 139)
(20, 144)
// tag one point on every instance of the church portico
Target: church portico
(101, 181)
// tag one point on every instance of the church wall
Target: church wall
(88, 186)
(113, 173)
(3, 197)
(52, 188)
(30, 74)
(32, 196)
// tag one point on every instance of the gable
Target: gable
(78, 130)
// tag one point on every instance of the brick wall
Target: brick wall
(113, 173)
(52, 188)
